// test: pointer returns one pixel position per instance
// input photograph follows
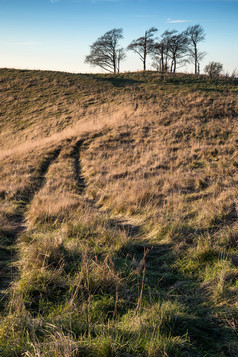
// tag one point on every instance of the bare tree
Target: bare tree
(159, 56)
(121, 55)
(234, 73)
(161, 51)
(213, 69)
(144, 45)
(195, 34)
(177, 49)
(106, 53)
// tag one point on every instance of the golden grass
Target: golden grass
(93, 171)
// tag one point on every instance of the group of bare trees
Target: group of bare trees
(176, 49)
(169, 52)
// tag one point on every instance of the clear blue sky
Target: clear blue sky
(56, 34)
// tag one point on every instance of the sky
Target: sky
(57, 34)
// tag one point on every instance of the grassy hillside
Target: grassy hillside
(118, 233)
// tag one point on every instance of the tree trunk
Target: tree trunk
(171, 67)
(166, 64)
(114, 62)
(196, 58)
(162, 63)
(144, 62)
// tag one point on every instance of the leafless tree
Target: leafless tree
(158, 56)
(161, 51)
(213, 69)
(195, 34)
(106, 53)
(144, 45)
(234, 73)
(177, 50)
(121, 55)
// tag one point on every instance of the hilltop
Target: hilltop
(118, 233)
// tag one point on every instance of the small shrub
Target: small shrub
(213, 69)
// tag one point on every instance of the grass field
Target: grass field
(118, 215)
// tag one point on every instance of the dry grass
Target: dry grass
(97, 171)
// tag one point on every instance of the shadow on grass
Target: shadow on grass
(143, 268)
(117, 80)
(201, 82)
(164, 283)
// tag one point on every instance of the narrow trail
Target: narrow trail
(17, 221)
(18, 225)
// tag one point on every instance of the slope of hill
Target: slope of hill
(118, 232)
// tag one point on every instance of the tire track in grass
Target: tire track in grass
(126, 225)
(8, 253)
(138, 251)
(81, 184)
